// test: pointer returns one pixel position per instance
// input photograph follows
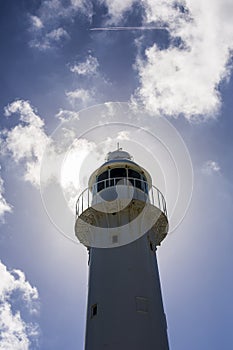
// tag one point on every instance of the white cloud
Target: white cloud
(57, 10)
(123, 135)
(27, 113)
(15, 332)
(41, 45)
(210, 167)
(117, 8)
(166, 12)
(183, 78)
(82, 96)
(4, 206)
(80, 5)
(66, 115)
(88, 67)
(47, 41)
(57, 34)
(26, 141)
(36, 22)
(53, 19)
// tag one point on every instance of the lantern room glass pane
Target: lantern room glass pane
(111, 177)
(117, 173)
(133, 176)
(102, 181)
(103, 176)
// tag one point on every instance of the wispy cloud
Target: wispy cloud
(210, 167)
(49, 39)
(15, 332)
(90, 81)
(87, 68)
(66, 115)
(57, 34)
(49, 26)
(123, 135)
(81, 97)
(36, 22)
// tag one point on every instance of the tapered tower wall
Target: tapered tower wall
(121, 219)
(124, 287)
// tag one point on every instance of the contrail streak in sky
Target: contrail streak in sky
(127, 28)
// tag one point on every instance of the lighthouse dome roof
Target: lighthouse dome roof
(117, 155)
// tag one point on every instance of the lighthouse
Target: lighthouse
(121, 218)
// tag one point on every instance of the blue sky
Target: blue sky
(53, 66)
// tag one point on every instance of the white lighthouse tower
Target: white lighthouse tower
(121, 218)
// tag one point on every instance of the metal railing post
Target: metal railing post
(152, 195)
(159, 199)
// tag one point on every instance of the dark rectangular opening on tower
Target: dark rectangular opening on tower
(102, 180)
(94, 310)
(142, 304)
(133, 176)
(117, 173)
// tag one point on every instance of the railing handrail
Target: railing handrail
(89, 192)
